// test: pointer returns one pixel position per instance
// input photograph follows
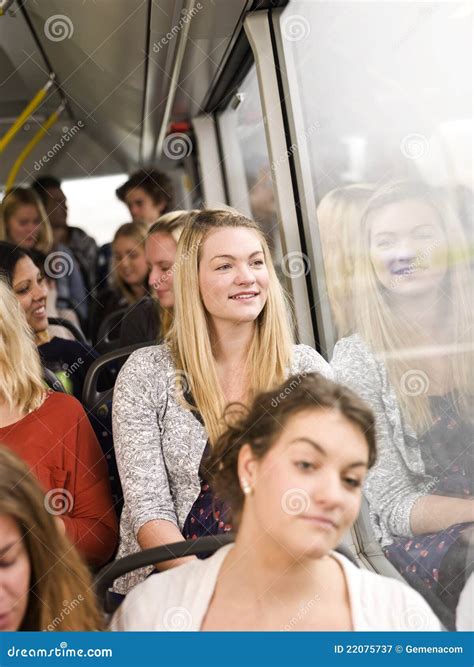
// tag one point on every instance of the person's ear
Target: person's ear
(247, 467)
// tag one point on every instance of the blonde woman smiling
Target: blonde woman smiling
(231, 338)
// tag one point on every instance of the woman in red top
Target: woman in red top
(51, 432)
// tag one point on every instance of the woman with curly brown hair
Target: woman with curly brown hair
(292, 469)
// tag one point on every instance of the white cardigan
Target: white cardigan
(178, 599)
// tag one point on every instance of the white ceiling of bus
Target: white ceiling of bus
(98, 49)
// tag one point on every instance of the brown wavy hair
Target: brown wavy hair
(61, 595)
(261, 425)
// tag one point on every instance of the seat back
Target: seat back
(53, 381)
(109, 331)
(92, 397)
(197, 547)
(70, 326)
(98, 404)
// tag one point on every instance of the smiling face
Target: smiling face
(29, 286)
(130, 261)
(307, 489)
(233, 276)
(15, 572)
(142, 206)
(160, 251)
(408, 247)
(24, 226)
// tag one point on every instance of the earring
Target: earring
(246, 488)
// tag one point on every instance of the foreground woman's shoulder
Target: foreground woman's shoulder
(390, 604)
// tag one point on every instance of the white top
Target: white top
(178, 599)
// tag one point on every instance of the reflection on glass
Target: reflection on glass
(391, 173)
(339, 213)
(251, 137)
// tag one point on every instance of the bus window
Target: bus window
(246, 159)
(386, 173)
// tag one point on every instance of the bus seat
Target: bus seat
(70, 326)
(53, 381)
(98, 404)
(109, 331)
(201, 545)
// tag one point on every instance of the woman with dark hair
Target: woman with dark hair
(51, 432)
(294, 492)
(68, 359)
(410, 356)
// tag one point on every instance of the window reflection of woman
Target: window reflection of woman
(412, 361)
(339, 214)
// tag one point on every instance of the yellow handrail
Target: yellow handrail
(30, 145)
(27, 111)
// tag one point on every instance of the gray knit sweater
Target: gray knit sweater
(159, 444)
(399, 478)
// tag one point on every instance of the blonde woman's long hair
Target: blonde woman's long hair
(137, 231)
(61, 595)
(389, 334)
(21, 383)
(339, 214)
(12, 201)
(269, 357)
(173, 224)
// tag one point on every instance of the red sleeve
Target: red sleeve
(91, 524)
